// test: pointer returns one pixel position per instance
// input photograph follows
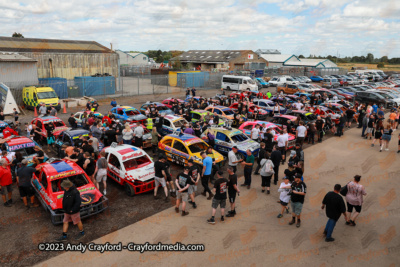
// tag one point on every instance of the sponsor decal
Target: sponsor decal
(133, 155)
(64, 174)
(80, 191)
(20, 146)
(193, 141)
(87, 198)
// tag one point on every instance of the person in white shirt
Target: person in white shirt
(255, 133)
(284, 197)
(301, 133)
(298, 105)
(138, 133)
(263, 131)
(233, 158)
(335, 97)
(276, 110)
(282, 144)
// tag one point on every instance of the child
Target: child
(284, 197)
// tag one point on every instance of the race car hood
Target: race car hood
(58, 130)
(217, 156)
(142, 174)
(89, 195)
(138, 117)
(250, 144)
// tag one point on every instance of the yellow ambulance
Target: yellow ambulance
(32, 96)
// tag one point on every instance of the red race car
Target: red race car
(262, 114)
(168, 102)
(42, 122)
(47, 185)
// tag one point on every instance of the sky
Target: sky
(320, 27)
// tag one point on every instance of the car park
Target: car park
(330, 82)
(47, 186)
(179, 148)
(262, 114)
(173, 124)
(227, 138)
(23, 145)
(130, 167)
(43, 122)
(247, 126)
(162, 109)
(373, 97)
(128, 114)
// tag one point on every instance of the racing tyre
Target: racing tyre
(129, 190)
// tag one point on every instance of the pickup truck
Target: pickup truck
(290, 89)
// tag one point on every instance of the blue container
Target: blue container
(192, 79)
(92, 86)
(58, 84)
(259, 73)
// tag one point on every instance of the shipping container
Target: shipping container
(173, 76)
(192, 79)
(59, 85)
(93, 86)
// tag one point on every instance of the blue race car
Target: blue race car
(128, 113)
(162, 109)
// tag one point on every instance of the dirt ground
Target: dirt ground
(22, 230)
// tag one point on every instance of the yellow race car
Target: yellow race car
(179, 148)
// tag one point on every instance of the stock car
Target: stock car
(226, 138)
(198, 113)
(281, 99)
(268, 105)
(169, 101)
(305, 116)
(162, 109)
(324, 112)
(179, 148)
(284, 120)
(79, 115)
(262, 114)
(3, 125)
(42, 122)
(129, 114)
(70, 138)
(247, 126)
(222, 111)
(173, 124)
(146, 135)
(23, 145)
(130, 167)
(47, 186)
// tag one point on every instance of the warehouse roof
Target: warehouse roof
(10, 44)
(131, 54)
(310, 62)
(11, 57)
(210, 55)
(276, 57)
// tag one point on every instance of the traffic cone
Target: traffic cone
(35, 112)
(65, 109)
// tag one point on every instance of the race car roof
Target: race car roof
(127, 107)
(61, 169)
(199, 111)
(19, 142)
(125, 150)
(49, 118)
(300, 111)
(169, 99)
(76, 132)
(222, 108)
(186, 138)
(288, 117)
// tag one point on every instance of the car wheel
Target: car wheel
(129, 190)
(228, 88)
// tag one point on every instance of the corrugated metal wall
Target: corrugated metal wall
(13, 73)
(70, 65)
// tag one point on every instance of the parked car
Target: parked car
(268, 105)
(173, 124)
(373, 97)
(47, 186)
(198, 113)
(282, 80)
(43, 122)
(162, 109)
(262, 82)
(79, 115)
(169, 101)
(316, 78)
(330, 82)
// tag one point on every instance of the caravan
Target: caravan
(238, 83)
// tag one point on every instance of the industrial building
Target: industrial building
(16, 69)
(221, 59)
(132, 59)
(279, 60)
(64, 58)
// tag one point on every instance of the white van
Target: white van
(282, 80)
(238, 83)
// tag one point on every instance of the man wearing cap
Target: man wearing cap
(160, 176)
(71, 204)
(24, 177)
(183, 182)
(220, 190)
(5, 183)
(195, 177)
(299, 190)
(234, 158)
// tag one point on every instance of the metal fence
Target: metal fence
(303, 71)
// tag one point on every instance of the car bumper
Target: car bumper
(142, 187)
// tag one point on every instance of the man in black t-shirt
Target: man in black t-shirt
(299, 190)
(319, 124)
(349, 117)
(40, 154)
(86, 147)
(160, 176)
(89, 166)
(334, 208)
(232, 190)
(194, 178)
(24, 178)
(183, 181)
(220, 189)
(72, 121)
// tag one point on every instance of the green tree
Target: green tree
(370, 58)
(17, 35)
(301, 56)
(380, 65)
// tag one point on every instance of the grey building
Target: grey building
(17, 70)
(132, 59)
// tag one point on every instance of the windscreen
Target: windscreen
(179, 123)
(78, 180)
(198, 147)
(131, 164)
(131, 112)
(44, 95)
(239, 138)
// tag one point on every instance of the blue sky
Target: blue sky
(321, 27)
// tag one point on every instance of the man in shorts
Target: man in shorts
(195, 177)
(183, 182)
(5, 182)
(160, 176)
(101, 171)
(299, 190)
(71, 204)
(24, 177)
(220, 188)
(232, 190)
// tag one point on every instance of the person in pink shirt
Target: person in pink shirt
(354, 199)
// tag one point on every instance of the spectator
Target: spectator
(255, 133)
(95, 106)
(160, 176)
(138, 134)
(195, 177)
(334, 208)
(261, 155)
(72, 121)
(193, 91)
(16, 114)
(42, 109)
(267, 170)
(276, 158)
(39, 154)
(127, 135)
(319, 124)
(220, 188)
(71, 204)
(53, 111)
(370, 126)
(248, 168)
(113, 103)
(89, 166)
(299, 190)
(154, 140)
(232, 190)
(234, 158)
(386, 137)
(6, 183)
(24, 177)
(206, 174)
(301, 133)
(183, 181)
(283, 140)
(284, 196)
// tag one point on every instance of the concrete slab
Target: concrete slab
(255, 237)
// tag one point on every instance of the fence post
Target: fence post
(138, 85)
(153, 88)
